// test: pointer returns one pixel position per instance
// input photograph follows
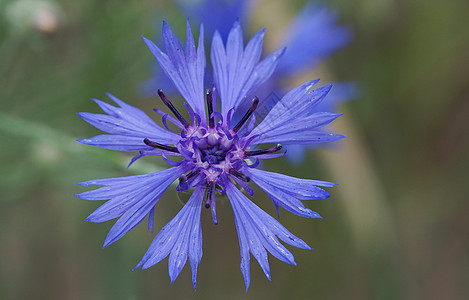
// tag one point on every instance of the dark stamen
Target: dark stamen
(211, 121)
(184, 178)
(239, 175)
(251, 109)
(168, 103)
(208, 199)
(161, 146)
(264, 151)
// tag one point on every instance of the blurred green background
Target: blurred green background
(395, 228)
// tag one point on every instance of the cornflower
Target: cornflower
(211, 154)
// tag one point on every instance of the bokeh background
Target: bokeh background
(395, 228)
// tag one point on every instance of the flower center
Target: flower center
(213, 155)
(213, 150)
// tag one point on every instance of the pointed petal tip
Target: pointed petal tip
(217, 38)
(137, 266)
(95, 100)
(308, 213)
(329, 86)
(151, 45)
(84, 141)
(292, 262)
(282, 51)
(309, 84)
(107, 243)
(188, 26)
(167, 29)
(324, 195)
(261, 33)
(92, 220)
(313, 82)
(172, 278)
(201, 31)
(315, 215)
(194, 283)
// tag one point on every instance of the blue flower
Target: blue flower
(213, 154)
(311, 37)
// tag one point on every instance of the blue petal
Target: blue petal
(113, 125)
(151, 218)
(340, 93)
(127, 126)
(301, 188)
(306, 126)
(286, 190)
(297, 103)
(131, 198)
(186, 69)
(116, 142)
(263, 71)
(181, 238)
(257, 232)
(291, 120)
(237, 71)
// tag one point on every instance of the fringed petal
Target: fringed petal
(237, 70)
(258, 232)
(181, 239)
(185, 68)
(131, 198)
(292, 121)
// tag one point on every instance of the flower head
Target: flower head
(216, 154)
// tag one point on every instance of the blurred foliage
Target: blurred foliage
(395, 228)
